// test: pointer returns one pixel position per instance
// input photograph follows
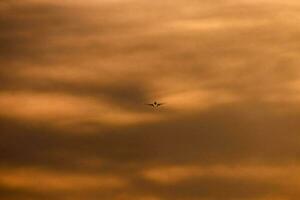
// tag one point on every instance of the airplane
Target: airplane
(155, 104)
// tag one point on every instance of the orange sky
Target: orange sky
(75, 76)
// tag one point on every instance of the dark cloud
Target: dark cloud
(213, 188)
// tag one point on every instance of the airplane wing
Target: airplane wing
(149, 104)
(160, 104)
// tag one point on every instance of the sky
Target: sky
(75, 76)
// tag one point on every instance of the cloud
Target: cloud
(62, 109)
(47, 181)
(75, 77)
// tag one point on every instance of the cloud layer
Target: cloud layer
(76, 76)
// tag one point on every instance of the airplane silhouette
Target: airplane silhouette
(155, 104)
